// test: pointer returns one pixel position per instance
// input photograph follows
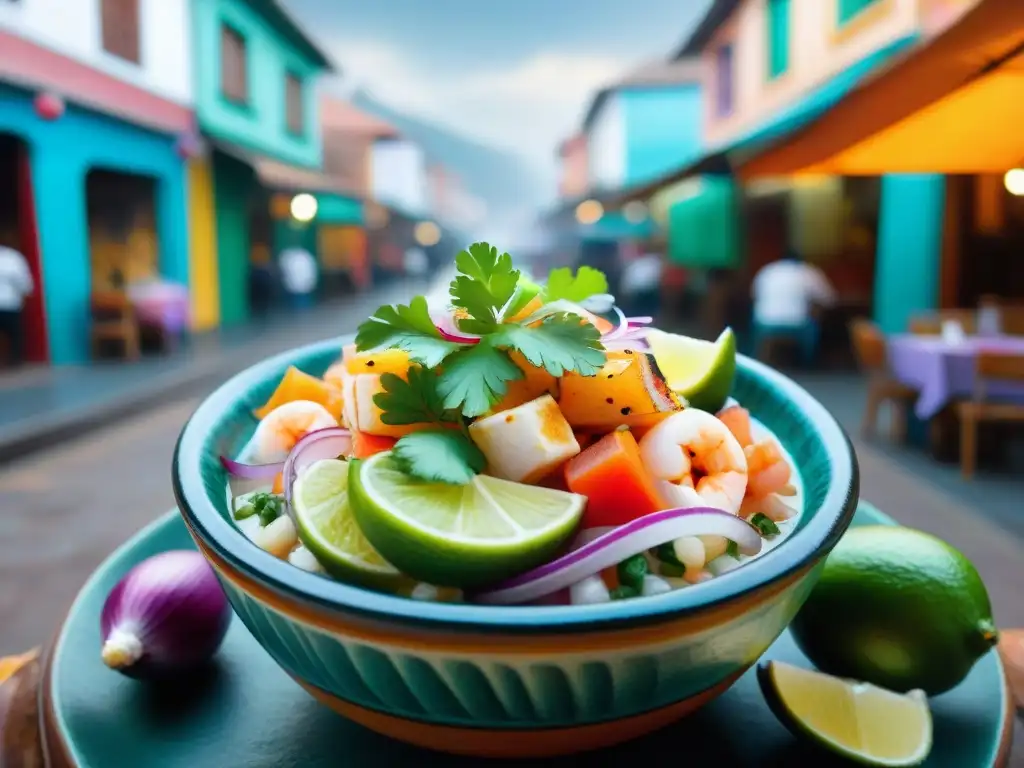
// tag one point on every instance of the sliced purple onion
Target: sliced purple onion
(251, 471)
(450, 331)
(619, 544)
(328, 443)
(618, 330)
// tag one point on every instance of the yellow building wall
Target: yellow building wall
(203, 247)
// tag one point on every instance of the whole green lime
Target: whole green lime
(897, 608)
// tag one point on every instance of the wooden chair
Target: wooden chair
(113, 319)
(930, 324)
(990, 367)
(1011, 319)
(869, 348)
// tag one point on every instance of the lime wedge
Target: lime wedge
(459, 535)
(325, 524)
(700, 371)
(864, 723)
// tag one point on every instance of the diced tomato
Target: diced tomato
(364, 446)
(737, 419)
(612, 477)
(278, 484)
(611, 578)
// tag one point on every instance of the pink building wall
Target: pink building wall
(819, 51)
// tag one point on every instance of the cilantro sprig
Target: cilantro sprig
(444, 453)
(563, 284)
(456, 381)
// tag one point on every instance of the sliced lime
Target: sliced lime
(700, 371)
(862, 722)
(326, 526)
(459, 535)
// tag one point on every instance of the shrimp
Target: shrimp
(696, 461)
(283, 427)
(767, 469)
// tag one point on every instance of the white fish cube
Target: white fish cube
(526, 443)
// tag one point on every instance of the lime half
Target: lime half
(325, 524)
(700, 371)
(459, 535)
(859, 721)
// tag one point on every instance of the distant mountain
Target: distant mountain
(501, 179)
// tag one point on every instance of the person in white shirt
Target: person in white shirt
(15, 284)
(641, 284)
(299, 275)
(786, 294)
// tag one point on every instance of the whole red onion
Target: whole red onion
(167, 614)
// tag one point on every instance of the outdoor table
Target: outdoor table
(66, 703)
(943, 371)
(161, 304)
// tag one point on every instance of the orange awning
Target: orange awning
(952, 105)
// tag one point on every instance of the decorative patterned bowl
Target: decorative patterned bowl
(514, 681)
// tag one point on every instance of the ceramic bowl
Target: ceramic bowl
(514, 681)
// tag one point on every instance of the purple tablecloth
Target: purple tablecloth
(943, 371)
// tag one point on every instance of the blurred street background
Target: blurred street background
(839, 181)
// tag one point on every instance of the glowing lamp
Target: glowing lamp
(1014, 181)
(589, 212)
(427, 233)
(303, 207)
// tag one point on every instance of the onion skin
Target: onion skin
(167, 615)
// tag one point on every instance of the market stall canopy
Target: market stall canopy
(951, 105)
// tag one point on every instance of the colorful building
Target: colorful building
(255, 102)
(942, 125)
(772, 70)
(95, 109)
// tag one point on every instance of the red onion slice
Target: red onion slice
(251, 471)
(329, 443)
(449, 330)
(618, 330)
(623, 542)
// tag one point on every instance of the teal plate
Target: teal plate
(245, 711)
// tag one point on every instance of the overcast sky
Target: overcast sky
(515, 74)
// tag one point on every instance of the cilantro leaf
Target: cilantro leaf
(439, 456)
(476, 378)
(415, 401)
(562, 342)
(408, 328)
(484, 286)
(562, 284)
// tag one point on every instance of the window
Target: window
(293, 106)
(119, 24)
(234, 74)
(723, 80)
(778, 37)
(848, 9)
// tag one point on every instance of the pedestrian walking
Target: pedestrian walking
(299, 275)
(15, 284)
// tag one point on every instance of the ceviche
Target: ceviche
(523, 444)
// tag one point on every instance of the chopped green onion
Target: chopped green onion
(765, 525)
(624, 593)
(632, 570)
(267, 506)
(733, 550)
(244, 511)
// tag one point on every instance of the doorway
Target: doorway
(26, 340)
(123, 242)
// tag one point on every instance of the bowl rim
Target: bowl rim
(802, 548)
